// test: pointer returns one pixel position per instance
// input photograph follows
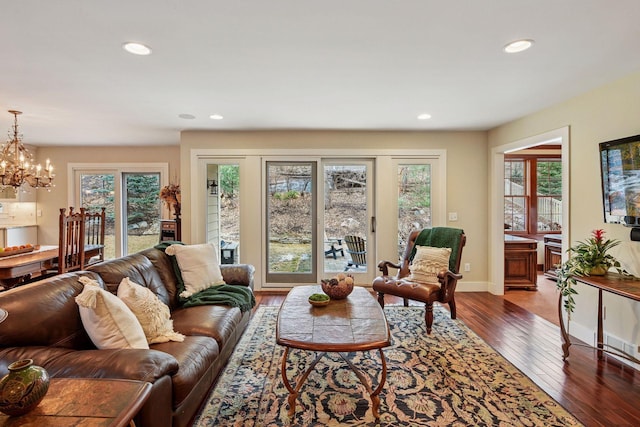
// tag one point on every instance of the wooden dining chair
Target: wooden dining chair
(94, 237)
(71, 240)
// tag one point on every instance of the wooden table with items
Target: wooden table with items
(19, 268)
(14, 268)
(94, 402)
(356, 323)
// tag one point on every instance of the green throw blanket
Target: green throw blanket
(234, 296)
(440, 237)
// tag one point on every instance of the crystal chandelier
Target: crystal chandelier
(17, 165)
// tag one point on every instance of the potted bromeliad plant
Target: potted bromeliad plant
(587, 258)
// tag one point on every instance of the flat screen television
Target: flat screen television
(620, 170)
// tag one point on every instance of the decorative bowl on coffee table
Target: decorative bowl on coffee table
(319, 300)
(338, 287)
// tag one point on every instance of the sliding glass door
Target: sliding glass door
(349, 225)
(291, 213)
(319, 220)
(141, 219)
(130, 196)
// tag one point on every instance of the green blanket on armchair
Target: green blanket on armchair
(440, 237)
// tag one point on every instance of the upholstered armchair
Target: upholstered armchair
(427, 272)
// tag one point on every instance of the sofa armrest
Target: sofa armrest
(133, 364)
(238, 274)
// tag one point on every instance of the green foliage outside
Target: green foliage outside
(414, 184)
(229, 180)
(549, 177)
(143, 206)
(287, 195)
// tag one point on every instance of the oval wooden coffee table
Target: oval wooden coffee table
(354, 324)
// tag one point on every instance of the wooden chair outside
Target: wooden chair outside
(443, 292)
(356, 248)
(71, 240)
(94, 236)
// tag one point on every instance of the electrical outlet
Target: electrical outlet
(467, 266)
(453, 216)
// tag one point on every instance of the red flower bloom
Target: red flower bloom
(598, 234)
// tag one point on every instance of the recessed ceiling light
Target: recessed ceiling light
(137, 48)
(216, 117)
(424, 116)
(518, 46)
(186, 116)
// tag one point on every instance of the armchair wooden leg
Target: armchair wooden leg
(452, 308)
(381, 299)
(428, 316)
(406, 302)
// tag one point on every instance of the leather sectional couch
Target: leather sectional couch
(44, 325)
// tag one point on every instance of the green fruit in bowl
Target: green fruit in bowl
(319, 297)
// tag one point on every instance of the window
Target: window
(532, 194)
(549, 195)
(130, 195)
(516, 202)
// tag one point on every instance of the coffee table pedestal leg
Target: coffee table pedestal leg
(294, 391)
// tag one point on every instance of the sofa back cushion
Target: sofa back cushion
(137, 268)
(164, 266)
(45, 313)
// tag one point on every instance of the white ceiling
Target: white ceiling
(298, 64)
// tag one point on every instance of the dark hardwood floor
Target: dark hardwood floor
(598, 393)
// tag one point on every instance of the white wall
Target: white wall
(466, 192)
(609, 112)
(49, 203)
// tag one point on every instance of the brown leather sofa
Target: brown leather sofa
(44, 325)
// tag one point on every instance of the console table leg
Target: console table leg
(566, 342)
(600, 332)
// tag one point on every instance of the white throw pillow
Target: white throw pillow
(428, 262)
(108, 321)
(153, 314)
(198, 265)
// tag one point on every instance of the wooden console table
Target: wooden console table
(85, 402)
(611, 282)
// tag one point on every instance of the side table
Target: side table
(86, 402)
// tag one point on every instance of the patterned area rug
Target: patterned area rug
(449, 378)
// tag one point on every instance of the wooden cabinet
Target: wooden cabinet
(170, 230)
(520, 262)
(552, 254)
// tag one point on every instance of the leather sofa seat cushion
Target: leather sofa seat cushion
(215, 321)
(194, 355)
(136, 267)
